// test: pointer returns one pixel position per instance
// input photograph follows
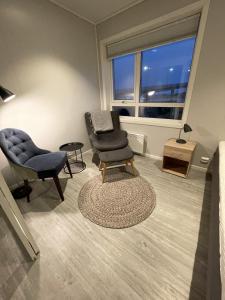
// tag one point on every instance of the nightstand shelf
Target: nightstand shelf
(177, 157)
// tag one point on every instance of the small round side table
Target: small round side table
(73, 150)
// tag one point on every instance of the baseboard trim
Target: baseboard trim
(199, 168)
(87, 151)
(156, 157)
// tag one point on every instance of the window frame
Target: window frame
(106, 75)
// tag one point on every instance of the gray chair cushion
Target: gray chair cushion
(115, 120)
(102, 121)
(116, 155)
(47, 165)
(109, 141)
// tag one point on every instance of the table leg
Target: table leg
(81, 156)
(68, 168)
(75, 154)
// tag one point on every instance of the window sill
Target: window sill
(152, 122)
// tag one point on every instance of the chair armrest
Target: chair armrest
(93, 136)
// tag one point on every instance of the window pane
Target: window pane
(124, 110)
(123, 77)
(165, 71)
(161, 112)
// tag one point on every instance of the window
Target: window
(153, 83)
(123, 77)
(125, 111)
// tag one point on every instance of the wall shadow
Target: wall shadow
(205, 282)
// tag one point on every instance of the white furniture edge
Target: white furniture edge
(222, 214)
(16, 219)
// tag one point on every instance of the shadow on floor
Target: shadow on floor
(8, 288)
(15, 261)
(44, 196)
(200, 280)
(120, 173)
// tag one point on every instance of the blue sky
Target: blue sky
(166, 64)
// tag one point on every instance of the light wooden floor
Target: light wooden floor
(165, 257)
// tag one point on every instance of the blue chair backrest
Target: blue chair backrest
(17, 145)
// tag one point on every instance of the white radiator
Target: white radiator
(136, 142)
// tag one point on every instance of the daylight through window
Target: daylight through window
(153, 83)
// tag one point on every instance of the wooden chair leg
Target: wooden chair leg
(132, 166)
(100, 166)
(26, 183)
(103, 172)
(57, 183)
(69, 169)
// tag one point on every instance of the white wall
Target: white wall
(139, 14)
(48, 58)
(207, 110)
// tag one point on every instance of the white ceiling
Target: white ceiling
(96, 11)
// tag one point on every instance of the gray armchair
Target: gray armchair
(106, 141)
(30, 161)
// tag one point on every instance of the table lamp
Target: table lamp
(6, 95)
(186, 128)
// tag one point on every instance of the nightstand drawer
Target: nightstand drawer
(177, 153)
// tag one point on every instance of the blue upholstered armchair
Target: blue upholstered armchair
(30, 161)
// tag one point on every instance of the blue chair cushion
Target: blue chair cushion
(47, 165)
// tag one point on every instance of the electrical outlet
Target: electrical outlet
(205, 160)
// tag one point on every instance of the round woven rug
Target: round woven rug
(121, 202)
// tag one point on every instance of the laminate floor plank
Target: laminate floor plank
(156, 259)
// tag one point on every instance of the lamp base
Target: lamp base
(21, 192)
(181, 141)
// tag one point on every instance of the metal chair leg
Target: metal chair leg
(69, 169)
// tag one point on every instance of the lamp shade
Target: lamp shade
(5, 95)
(187, 128)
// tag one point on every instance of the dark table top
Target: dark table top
(71, 146)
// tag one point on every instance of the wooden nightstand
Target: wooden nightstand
(177, 157)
